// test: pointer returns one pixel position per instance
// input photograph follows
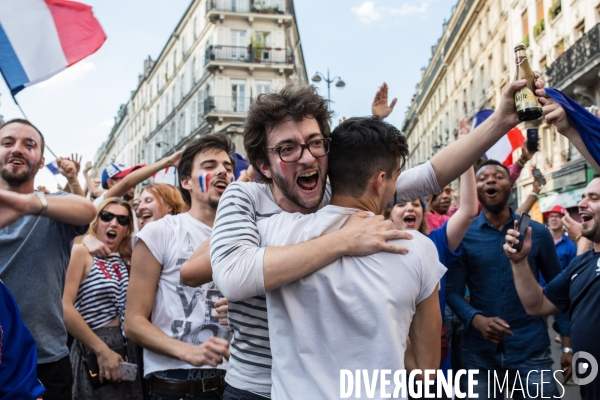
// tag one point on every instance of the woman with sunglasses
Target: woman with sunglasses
(94, 305)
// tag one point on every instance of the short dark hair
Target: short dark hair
(493, 162)
(596, 175)
(218, 141)
(360, 147)
(25, 122)
(271, 109)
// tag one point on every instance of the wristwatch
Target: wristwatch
(43, 200)
(567, 350)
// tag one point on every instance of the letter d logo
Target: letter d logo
(588, 363)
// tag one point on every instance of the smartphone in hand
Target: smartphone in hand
(537, 175)
(532, 139)
(128, 371)
(522, 228)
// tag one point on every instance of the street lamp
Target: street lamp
(319, 76)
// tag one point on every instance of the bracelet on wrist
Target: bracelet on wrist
(521, 163)
(567, 350)
(536, 195)
(577, 238)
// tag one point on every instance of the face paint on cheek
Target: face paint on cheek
(204, 181)
(232, 179)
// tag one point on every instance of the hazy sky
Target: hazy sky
(364, 42)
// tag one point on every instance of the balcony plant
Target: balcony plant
(555, 9)
(526, 40)
(257, 44)
(539, 27)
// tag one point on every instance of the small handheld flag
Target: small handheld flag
(53, 167)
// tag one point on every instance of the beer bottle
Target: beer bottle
(526, 102)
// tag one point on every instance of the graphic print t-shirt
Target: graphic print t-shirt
(182, 312)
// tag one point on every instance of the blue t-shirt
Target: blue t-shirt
(439, 237)
(18, 353)
(34, 255)
(577, 290)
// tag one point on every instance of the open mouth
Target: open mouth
(308, 180)
(220, 185)
(585, 217)
(410, 221)
(146, 215)
(112, 235)
(16, 161)
(491, 192)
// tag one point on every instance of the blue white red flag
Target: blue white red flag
(502, 150)
(53, 167)
(40, 38)
(587, 124)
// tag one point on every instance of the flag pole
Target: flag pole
(25, 116)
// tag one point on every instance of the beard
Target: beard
(592, 233)
(17, 179)
(295, 197)
(495, 208)
(213, 202)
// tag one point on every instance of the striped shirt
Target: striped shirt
(101, 296)
(237, 262)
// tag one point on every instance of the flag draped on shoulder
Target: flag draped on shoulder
(40, 38)
(587, 124)
(502, 150)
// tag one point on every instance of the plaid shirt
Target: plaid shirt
(484, 267)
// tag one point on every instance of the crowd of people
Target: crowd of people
(324, 255)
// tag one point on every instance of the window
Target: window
(239, 104)
(263, 87)
(181, 126)
(580, 30)
(560, 48)
(193, 113)
(239, 44)
(195, 28)
(525, 23)
(540, 9)
(262, 45)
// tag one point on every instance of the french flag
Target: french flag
(40, 38)
(503, 149)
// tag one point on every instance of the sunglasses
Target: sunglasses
(122, 220)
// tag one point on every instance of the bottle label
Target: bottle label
(525, 98)
(520, 56)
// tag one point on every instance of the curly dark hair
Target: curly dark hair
(360, 147)
(218, 141)
(271, 109)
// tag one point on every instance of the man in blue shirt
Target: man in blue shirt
(499, 335)
(565, 247)
(576, 289)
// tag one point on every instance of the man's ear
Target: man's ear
(42, 162)
(110, 183)
(378, 180)
(264, 169)
(185, 183)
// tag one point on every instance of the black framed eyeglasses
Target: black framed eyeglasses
(290, 153)
(122, 220)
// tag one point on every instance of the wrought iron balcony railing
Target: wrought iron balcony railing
(249, 54)
(248, 6)
(577, 56)
(227, 104)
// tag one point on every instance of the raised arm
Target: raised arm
(555, 115)
(70, 209)
(531, 199)
(459, 223)
(530, 292)
(241, 269)
(68, 169)
(140, 175)
(380, 105)
(455, 158)
(92, 188)
(141, 293)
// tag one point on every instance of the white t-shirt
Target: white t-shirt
(354, 313)
(180, 311)
(237, 262)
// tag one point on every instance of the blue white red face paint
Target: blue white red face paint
(204, 181)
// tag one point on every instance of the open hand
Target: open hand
(380, 105)
(174, 159)
(88, 167)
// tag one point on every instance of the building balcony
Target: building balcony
(218, 56)
(579, 64)
(268, 7)
(226, 106)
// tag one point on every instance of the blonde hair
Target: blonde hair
(92, 230)
(167, 196)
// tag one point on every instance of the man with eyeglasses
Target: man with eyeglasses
(185, 346)
(278, 123)
(36, 235)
